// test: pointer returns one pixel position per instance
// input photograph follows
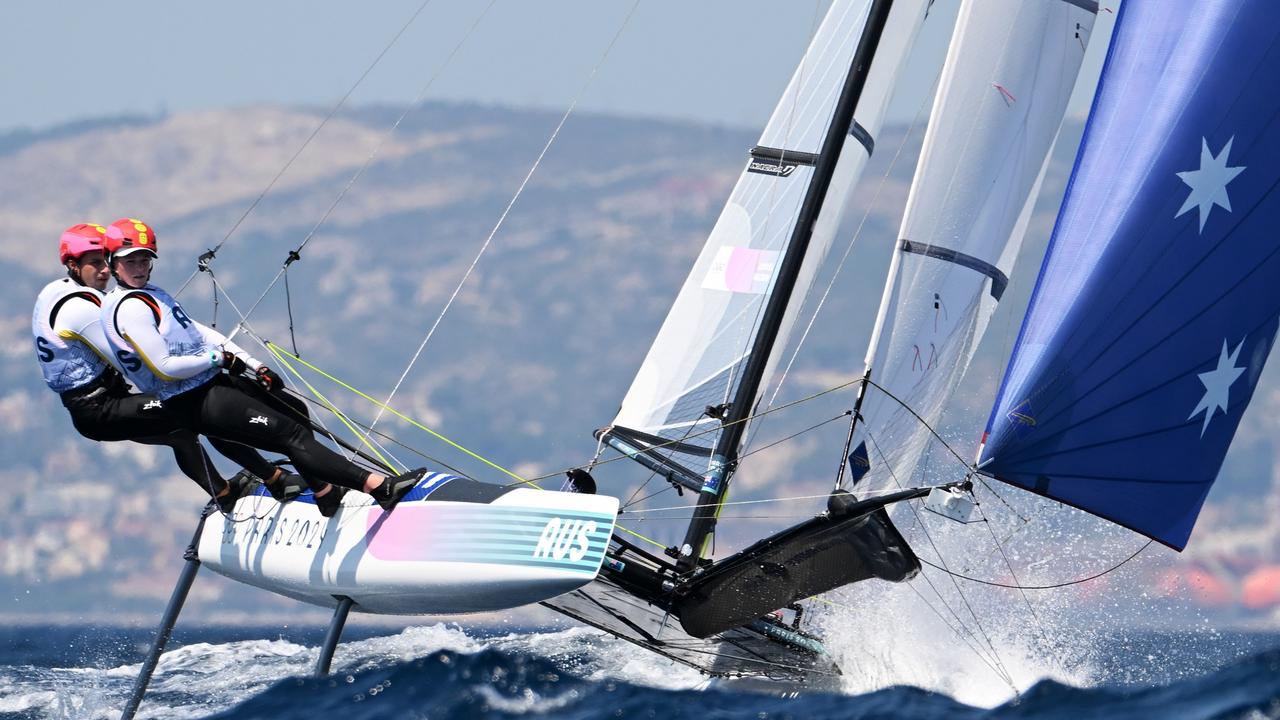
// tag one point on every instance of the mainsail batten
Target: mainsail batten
(1156, 305)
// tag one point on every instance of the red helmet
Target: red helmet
(128, 235)
(80, 239)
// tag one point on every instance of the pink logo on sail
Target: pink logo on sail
(741, 270)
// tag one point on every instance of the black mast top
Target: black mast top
(724, 458)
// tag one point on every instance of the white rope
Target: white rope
(884, 179)
(790, 498)
(367, 162)
(349, 455)
(502, 218)
(332, 111)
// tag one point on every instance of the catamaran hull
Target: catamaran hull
(426, 557)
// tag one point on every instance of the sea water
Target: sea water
(443, 671)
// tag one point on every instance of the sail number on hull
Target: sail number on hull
(275, 531)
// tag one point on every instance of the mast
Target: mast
(724, 457)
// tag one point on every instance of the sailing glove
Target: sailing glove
(269, 380)
(232, 363)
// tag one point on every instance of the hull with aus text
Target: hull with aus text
(428, 556)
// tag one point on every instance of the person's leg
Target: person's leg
(192, 460)
(143, 419)
(231, 414)
(293, 407)
(219, 409)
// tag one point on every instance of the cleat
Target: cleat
(329, 503)
(286, 487)
(393, 488)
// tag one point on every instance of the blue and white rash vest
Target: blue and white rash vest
(70, 345)
(161, 350)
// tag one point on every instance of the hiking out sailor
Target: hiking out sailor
(163, 351)
(73, 356)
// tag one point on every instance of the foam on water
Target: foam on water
(894, 641)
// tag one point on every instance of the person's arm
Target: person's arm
(80, 319)
(137, 324)
(218, 340)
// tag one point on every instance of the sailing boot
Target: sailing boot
(329, 502)
(285, 486)
(237, 486)
(393, 488)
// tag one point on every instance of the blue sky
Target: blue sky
(723, 61)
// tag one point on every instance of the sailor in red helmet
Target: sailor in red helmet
(73, 355)
(163, 351)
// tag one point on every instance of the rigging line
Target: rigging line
(1044, 635)
(635, 534)
(655, 493)
(334, 409)
(288, 304)
(747, 332)
(276, 349)
(384, 436)
(884, 179)
(792, 498)
(506, 211)
(632, 500)
(348, 454)
(642, 517)
(654, 473)
(289, 163)
(217, 286)
(916, 415)
(748, 418)
(1039, 587)
(1018, 528)
(368, 162)
(795, 435)
(965, 637)
(983, 480)
(920, 523)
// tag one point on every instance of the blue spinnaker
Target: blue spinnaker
(1159, 297)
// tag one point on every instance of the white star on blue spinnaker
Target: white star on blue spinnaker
(1217, 385)
(1209, 183)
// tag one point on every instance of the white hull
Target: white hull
(425, 557)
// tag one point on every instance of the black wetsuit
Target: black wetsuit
(221, 409)
(104, 410)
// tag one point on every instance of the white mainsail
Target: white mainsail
(698, 355)
(1009, 72)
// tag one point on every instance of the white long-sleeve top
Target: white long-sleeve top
(70, 344)
(158, 347)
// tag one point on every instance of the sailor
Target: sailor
(163, 351)
(73, 358)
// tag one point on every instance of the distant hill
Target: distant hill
(538, 348)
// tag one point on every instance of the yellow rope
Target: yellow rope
(655, 543)
(279, 351)
(332, 408)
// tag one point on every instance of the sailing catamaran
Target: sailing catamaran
(1010, 70)
(1154, 312)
